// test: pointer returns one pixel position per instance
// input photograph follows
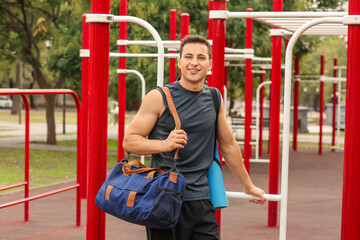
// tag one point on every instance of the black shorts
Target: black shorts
(197, 222)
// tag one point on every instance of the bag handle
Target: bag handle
(127, 168)
(174, 113)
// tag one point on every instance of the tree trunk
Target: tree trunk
(232, 101)
(50, 119)
(16, 98)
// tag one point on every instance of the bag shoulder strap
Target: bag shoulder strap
(217, 110)
(174, 113)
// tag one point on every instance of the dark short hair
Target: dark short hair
(195, 39)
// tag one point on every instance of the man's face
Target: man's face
(194, 62)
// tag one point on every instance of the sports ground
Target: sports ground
(314, 207)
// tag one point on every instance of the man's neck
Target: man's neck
(194, 87)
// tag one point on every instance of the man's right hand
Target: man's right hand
(176, 139)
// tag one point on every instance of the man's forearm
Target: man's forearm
(142, 146)
(232, 155)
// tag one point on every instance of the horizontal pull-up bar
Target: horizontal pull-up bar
(242, 195)
(216, 14)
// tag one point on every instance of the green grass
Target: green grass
(112, 144)
(46, 167)
(39, 117)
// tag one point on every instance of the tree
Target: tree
(24, 27)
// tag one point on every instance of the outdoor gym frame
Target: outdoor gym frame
(99, 57)
(80, 162)
(349, 228)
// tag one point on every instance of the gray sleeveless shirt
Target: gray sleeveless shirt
(197, 114)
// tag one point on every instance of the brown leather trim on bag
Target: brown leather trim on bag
(108, 191)
(173, 177)
(131, 199)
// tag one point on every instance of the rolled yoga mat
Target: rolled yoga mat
(216, 183)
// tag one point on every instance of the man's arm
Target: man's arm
(232, 154)
(135, 140)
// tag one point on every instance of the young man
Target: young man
(193, 101)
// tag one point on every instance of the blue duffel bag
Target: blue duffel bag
(142, 195)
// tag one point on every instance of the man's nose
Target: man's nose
(194, 62)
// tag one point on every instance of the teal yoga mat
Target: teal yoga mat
(216, 183)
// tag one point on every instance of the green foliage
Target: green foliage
(62, 59)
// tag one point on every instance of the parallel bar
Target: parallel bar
(39, 196)
(13, 186)
(242, 195)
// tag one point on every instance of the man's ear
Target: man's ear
(179, 62)
(210, 65)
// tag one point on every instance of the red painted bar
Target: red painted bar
(334, 107)
(13, 186)
(85, 71)
(184, 28)
(351, 192)
(275, 120)
(98, 102)
(26, 199)
(248, 94)
(218, 56)
(172, 61)
(210, 37)
(39, 196)
(261, 124)
(321, 110)
(296, 104)
(122, 82)
(27, 156)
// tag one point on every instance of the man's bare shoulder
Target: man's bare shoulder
(153, 102)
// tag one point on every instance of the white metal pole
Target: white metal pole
(126, 71)
(156, 36)
(258, 117)
(286, 123)
(338, 112)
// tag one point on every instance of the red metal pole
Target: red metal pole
(275, 120)
(248, 94)
(184, 28)
(351, 192)
(261, 125)
(122, 82)
(321, 110)
(334, 107)
(27, 155)
(172, 61)
(210, 36)
(84, 109)
(296, 103)
(98, 108)
(218, 56)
